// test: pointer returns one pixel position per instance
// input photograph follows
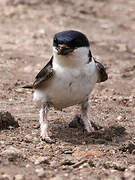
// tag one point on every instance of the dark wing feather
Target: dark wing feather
(46, 73)
(102, 75)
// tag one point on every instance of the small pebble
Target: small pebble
(132, 168)
(41, 160)
(130, 172)
(122, 47)
(36, 139)
(40, 172)
(68, 162)
(119, 117)
(66, 174)
(53, 164)
(19, 90)
(133, 152)
(68, 152)
(28, 165)
(5, 177)
(19, 177)
(11, 151)
(40, 147)
(28, 138)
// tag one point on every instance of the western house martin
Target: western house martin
(68, 78)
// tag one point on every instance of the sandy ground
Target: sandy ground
(26, 32)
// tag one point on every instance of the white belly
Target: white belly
(67, 88)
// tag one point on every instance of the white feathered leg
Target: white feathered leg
(86, 116)
(44, 124)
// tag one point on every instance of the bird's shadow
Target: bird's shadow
(75, 133)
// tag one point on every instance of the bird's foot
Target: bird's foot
(47, 139)
(89, 128)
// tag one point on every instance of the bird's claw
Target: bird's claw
(47, 139)
(89, 128)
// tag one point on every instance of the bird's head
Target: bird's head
(71, 47)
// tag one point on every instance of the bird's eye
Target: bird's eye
(55, 42)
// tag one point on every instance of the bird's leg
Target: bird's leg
(44, 123)
(86, 116)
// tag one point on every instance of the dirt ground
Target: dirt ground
(26, 31)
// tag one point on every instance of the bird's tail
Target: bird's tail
(28, 87)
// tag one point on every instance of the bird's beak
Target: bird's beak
(63, 50)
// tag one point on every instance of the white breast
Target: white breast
(69, 86)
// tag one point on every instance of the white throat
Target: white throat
(75, 59)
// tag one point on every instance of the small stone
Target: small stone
(105, 26)
(6, 120)
(8, 143)
(54, 164)
(41, 160)
(131, 47)
(115, 165)
(36, 126)
(91, 163)
(19, 90)
(41, 31)
(28, 138)
(11, 151)
(40, 172)
(66, 174)
(112, 151)
(133, 152)
(28, 165)
(80, 164)
(19, 177)
(68, 152)
(132, 168)
(119, 117)
(83, 143)
(122, 47)
(36, 139)
(6, 176)
(128, 146)
(40, 147)
(68, 162)
(130, 173)
(27, 69)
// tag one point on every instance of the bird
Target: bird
(67, 79)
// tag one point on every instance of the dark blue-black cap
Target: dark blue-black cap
(71, 38)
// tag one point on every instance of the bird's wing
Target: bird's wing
(46, 73)
(102, 75)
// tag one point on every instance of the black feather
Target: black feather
(46, 73)
(28, 87)
(71, 38)
(103, 76)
